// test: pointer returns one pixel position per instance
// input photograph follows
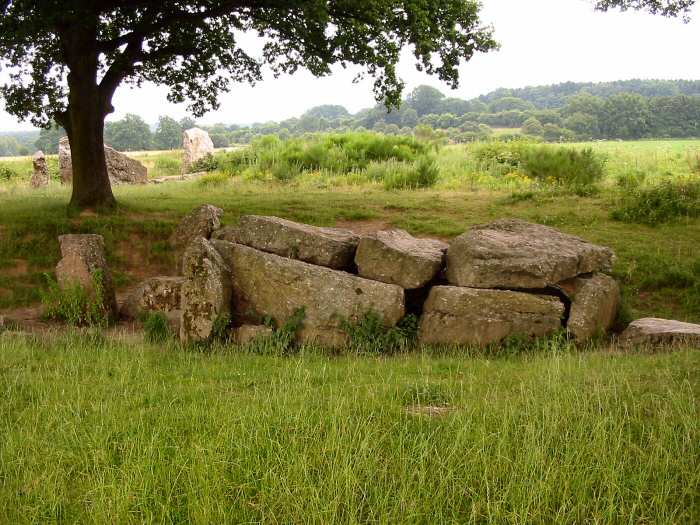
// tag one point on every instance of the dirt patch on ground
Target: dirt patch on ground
(365, 227)
(429, 410)
(20, 268)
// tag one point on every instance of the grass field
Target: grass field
(107, 429)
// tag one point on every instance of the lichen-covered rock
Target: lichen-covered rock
(121, 168)
(205, 297)
(396, 257)
(456, 315)
(657, 332)
(265, 284)
(200, 222)
(155, 294)
(511, 253)
(248, 333)
(595, 300)
(40, 174)
(330, 247)
(196, 144)
(84, 263)
(65, 163)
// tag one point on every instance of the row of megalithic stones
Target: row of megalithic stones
(122, 169)
(506, 278)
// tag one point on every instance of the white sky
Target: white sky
(543, 42)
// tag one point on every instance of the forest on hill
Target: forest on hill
(621, 110)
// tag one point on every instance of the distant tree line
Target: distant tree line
(626, 110)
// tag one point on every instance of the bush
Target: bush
(337, 154)
(156, 327)
(73, 304)
(631, 179)
(370, 336)
(206, 163)
(213, 179)
(665, 202)
(499, 157)
(563, 166)
(423, 173)
(7, 173)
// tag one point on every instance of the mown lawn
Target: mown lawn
(97, 431)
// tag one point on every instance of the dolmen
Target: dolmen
(508, 278)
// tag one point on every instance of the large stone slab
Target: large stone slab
(331, 247)
(471, 316)
(511, 253)
(40, 171)
(155, 294)
(396, 257)
(265, 284)
(652, 331)
(196, 144)
(200, 222)
(595, 300)
(205, 297)
(84, 263)
(121, 168)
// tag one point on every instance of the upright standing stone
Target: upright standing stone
(396, 257)
(205, 297)
(40, 175)
(84, 263)
(65, 164)
(196, 144)
(200, 222)
(510, 253)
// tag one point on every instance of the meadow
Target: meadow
(103, 426)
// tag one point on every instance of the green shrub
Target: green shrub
(74, 304)
(562, 166)
(206, 163)
(370, 336)
(283, 339)
(423, 173)
(499, 157)
(156, 327)
(631, 179)
(665, 202)
(7, 173)
(213, 179)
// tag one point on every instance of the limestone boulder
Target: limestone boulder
(657, 332)
(84, 263)
(40, 174)
(471, 316)
(511, 253)
(595, 300)
(396, 257)
(200, 222)
(196, 144)
(205, 297)
(248, 333)
(121, 168)
(330, 247)
(65, 164)
(266, 284)
(156, 294)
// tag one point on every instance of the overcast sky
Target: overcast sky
(543, 42)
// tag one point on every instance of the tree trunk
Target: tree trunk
(84, 124)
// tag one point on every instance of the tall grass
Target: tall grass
(94, 431)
